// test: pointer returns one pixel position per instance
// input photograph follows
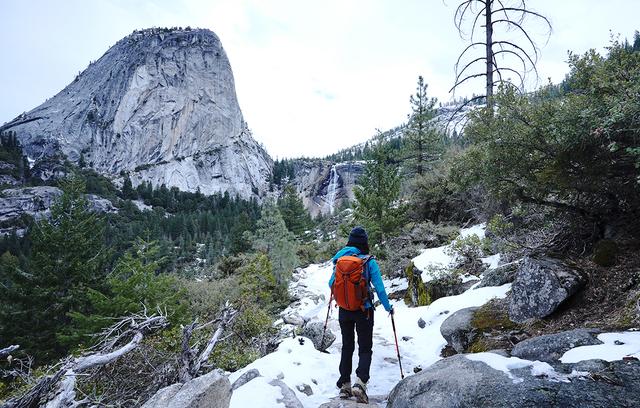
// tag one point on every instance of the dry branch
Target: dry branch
(190, 361)
(62, 384)
(6, 352)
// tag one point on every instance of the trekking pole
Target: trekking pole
(393, 324)
(324, 330)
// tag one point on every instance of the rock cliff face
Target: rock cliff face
(161, 106)
(324, 186)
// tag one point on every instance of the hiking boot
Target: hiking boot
(345, 391)
(359, 390)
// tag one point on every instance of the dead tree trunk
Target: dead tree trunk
(63, 383)
(6, 352)
(190, 361)
(489, 51)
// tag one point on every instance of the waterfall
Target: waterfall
(332, 189)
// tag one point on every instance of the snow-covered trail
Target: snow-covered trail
(302, 367)
(312, 375)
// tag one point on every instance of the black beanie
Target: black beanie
(358, 236)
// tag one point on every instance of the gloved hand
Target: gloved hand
(391, 311)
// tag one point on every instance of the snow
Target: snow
(299, 364)
(433, 261)
(245, 396)
(491, 261)
(538, 368)
(628, 345)
(141, 205)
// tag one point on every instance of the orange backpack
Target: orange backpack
(351, 287)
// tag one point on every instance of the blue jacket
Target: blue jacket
(375, 277)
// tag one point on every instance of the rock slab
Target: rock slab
(211, 390)
(540, 287)
(550, 347)
(457, 382)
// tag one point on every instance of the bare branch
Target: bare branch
(459, 14)
(533, 44)
(64, 380)
(510, 70)
(458, 74)
(459, 109)
(465, 79)
(524, 11)
(533, 64)
(511, 52)
(5, 352)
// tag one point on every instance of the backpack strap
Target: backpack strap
(366, 259)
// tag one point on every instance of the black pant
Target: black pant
(363, 323)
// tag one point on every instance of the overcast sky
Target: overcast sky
(311, 76)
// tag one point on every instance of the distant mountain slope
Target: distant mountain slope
(161, 106)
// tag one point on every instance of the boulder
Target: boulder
(313, 331)
(245, 378)
(499, 276)
(550, 347)
(540, 287)
(460, 382)
(211, 390)
(458, 331)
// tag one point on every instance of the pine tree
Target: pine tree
(377, 195)
(133, 285)
(127, 189)
(274, 239)
(295, 216)
(68, 259)
(422, 137)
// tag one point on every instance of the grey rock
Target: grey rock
(101, 205)
(212, 390)
(592, 366)
(293, 318)
(457, 329)
(37, 202)
(289, 399)
(245, 378)
(160, 105)
(421, 323)
(541, 286)
(8, 180)
(499, 276)
(313, 331)
(456, 382)
(305, 389)
(163, 397)
(374, 401)
(33, 201)
(550, 347)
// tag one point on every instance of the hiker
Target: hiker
(356, 309)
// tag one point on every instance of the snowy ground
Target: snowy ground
(299, 365)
